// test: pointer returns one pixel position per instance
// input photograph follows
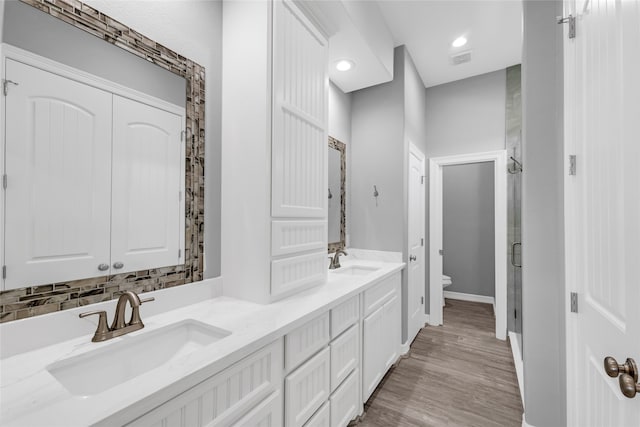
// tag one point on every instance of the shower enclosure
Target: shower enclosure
(514, 188)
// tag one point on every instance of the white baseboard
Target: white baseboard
(517, 361)
(404, 348)
(524, 422)
(469, 297)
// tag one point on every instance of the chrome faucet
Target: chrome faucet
(335, 260)
(119, 326)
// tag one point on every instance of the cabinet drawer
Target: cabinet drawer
(380, 293)
(267, 414)
(344, 402)
(322, 417)
(344, 356)
(306, 389)
(303, 342)
(288, 237)
(344, 315)
(223, 398)
(294, 273)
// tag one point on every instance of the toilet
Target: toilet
(446, 281)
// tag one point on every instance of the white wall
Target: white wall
(468, 228)
(543, 287)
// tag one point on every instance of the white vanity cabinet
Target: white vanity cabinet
(322, 358)
(381, 332)
(94, 179)
(274, 146)
(247, 393)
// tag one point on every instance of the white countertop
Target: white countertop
(31, 396)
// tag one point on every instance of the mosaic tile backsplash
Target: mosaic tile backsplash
(36, 300)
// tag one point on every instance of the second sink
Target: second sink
(356, 270)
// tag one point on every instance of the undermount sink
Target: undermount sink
(356, 270)
(133, 355)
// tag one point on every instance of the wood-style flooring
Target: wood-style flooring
(458, 374)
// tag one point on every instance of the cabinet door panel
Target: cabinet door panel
(58, 163)
(299, 138)
(147, 153)
(373, 352)
(391, 314)
(306, 389)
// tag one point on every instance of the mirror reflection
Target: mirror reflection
(336, 194)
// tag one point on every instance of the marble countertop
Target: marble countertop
(31, 396)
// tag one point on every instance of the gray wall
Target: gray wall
(377, 158)
(468, 240)
(384, 119)
(465, 116)
(340, 128)
(542, 216)
(30, 29)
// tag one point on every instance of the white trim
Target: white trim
(404, 348)
(499, 159)
(469, 297)
(524, 422)
(571, 320)
(517, 361)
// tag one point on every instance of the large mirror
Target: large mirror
(75, 37)
(337, 198)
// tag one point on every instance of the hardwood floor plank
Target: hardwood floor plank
(458, 374)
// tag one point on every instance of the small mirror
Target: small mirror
(336, 194)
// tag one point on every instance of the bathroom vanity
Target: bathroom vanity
(308, 360)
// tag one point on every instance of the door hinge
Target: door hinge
(422, 179)
(515, 313)
(182, 134)
(574, 302)
(571, 20)
(422, 241)
(422, 300)
(179, 253)
(572, 164)
(4, 181)
(440, 251)
(5, 86)
(4, 271)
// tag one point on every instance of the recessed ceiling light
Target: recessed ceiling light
(344, 65)
(460, 41)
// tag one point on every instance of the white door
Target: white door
(602, 89)
(146, 194)
(415, 271)
(58, 166)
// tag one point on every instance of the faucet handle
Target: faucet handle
(135, 312)
(102, 328)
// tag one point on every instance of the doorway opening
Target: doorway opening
(436, 189)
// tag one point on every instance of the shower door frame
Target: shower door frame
(436, 164)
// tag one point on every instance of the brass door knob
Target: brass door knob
(629, 386)
(613, 368)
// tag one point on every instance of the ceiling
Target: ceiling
(365, 31)
(428, 27)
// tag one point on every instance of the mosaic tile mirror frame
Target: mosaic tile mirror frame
(36, 300)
